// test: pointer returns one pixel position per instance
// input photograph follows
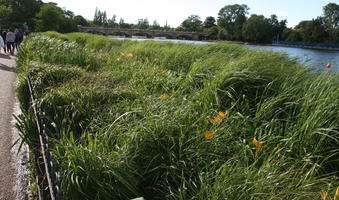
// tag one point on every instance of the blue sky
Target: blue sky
(176, 11)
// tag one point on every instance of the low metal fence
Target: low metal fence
(48, 179)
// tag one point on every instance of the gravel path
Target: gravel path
(11, 170)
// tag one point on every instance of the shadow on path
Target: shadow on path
(6, 68)
(5, 56)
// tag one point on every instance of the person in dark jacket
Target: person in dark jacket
(19, 36)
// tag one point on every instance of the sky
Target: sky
(176, 11)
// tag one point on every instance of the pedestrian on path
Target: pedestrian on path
(2, 44)
(19, 36)
(3, 35)
(10, 39)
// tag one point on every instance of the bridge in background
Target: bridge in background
(141, 32)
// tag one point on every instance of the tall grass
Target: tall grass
(132, 120)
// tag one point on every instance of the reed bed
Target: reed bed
(162, 120)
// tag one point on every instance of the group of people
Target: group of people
(10, 40)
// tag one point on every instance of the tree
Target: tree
(277, 27)
(192, 23)
(49, 18)
(209, 22)
(313, 30)
(231, 18)
(67, 23)
(52, 18)
(104, 19)
(112, 22)
(14, 13)
(291, 35)
(257, 29)
(222, 34)
(96, 19)
(211, 33)
(331, 17)
(156, 25)
(5, 14)
(80, 20)
(142, 24)
(122, 24)
(100, 18)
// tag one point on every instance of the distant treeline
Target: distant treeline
(232, 23)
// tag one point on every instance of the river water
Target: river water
(311, 57)
(316, 58)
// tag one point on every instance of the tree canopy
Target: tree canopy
(257, 29)
(209, 22)
(192, 23)
(14, 13)
(231, 18)
(331, 18)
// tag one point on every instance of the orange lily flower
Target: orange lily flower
(223, 115)
(258, 144)
(164, 96)
(209, 134)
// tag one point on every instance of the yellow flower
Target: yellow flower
(164, 96)
(324, 195)
(243, 96)
(258, 144)
(122, 54)
(118, 59)
(129, 55)
(209, 134)
(223, 115)
(155, 60)
(336, 196)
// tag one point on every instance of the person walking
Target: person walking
(2, 44)
(3, 35)
(10, 39)
(18, 38)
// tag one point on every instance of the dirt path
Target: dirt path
(9, 175)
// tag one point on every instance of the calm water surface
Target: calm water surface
(311, 57)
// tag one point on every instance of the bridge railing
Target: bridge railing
(132, 30)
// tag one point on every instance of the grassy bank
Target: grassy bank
(178, 121)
